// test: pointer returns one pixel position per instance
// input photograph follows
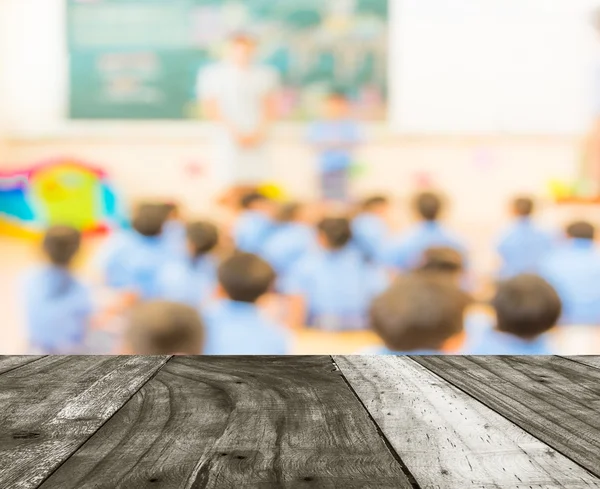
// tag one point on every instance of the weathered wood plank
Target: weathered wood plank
(232, 422)
(554, 399)
(9, 363)
(590, 361)
(50, 407)
(446, 438)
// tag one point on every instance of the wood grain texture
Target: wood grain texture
(590, 361)
(233, 422)
(446, 438)
(50, 407)
(10, 363)
(555, 399)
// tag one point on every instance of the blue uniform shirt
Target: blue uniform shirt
(346, 133)
(573, 269)
(338, 287)
(252, 231)
(58, 309)
(174, 238)
(189, 281)
(370, 234)
(483, 339)
(522, 247)
(131, 261)
(406, 251)
(287, 244)
(238, 328)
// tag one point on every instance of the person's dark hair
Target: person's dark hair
(248, 200)
(246, 277)
(374, 201)
(164, 328)
(61, 244)
(441, 260)
(523, 206)
(203, 237)
(149, 219)
(418, 312)
(581, 230)
(289, 212)
(428, 205)
(337, 231)
(526, 306)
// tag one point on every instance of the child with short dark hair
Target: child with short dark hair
(526, 308)
(255, 223)
(58, 307)
(573, 269)
(335, 139)
(192, 279)
(443, 262)
(524, 244)
(163, 328)
(405, 252)
(419, 314)
(370, 227)
(235, 325)
(332, 286)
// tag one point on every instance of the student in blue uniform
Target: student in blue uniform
(163, 328)
(174, 231)
(292, 238)
(132, 258)
(573, 269)
(405, 252)
(526, 308)
(192, 280)
(235, 325)
(255, 223)
(370, 230)
(58, 307)
(420, 314)
(331, 287)
(524, 244)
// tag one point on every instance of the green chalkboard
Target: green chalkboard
(139, 59)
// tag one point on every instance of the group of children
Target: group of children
(191, 288)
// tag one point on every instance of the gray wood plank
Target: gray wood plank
(8, 363)
(590, 361)
(232, 422)
(446, 438)
(554, 399)
(50, 407)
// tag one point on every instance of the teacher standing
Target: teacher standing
(237, 94)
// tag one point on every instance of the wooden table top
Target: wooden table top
(306, 421)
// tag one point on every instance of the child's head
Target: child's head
(443, 261)
(523, 207)
(334, 232)
(336, 105)
(581, 230)
(164, 328)
(526, 306)
(420, 312)
(428, 206)
(172, 210)
(245, 277)
(61, 244)
(242, 47)
(202, 238)
(149, 218)
(256, 201)
(377, 204)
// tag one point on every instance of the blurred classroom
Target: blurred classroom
(477, 102)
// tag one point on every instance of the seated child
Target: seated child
(235, 325)
(526, 308)
(420, 314)
(291, 239)
(163, 328)
(370, 229)
(255, 223)
(174, 231)
(331, 287)
(192, 280)
(405, 252)
(335, 139)
(443, 262)
(523, 245)
(132, 258)
(573, 269)
(58, 307)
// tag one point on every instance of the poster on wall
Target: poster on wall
(132, 59)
